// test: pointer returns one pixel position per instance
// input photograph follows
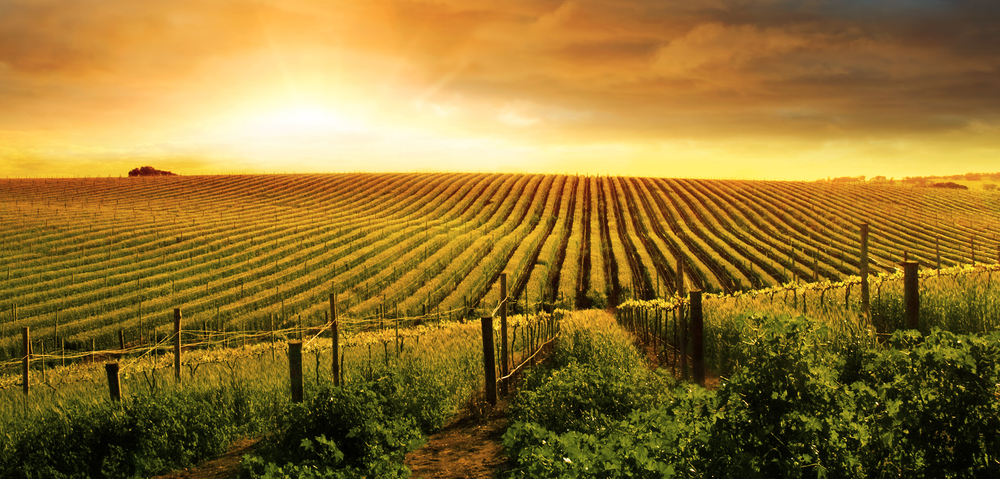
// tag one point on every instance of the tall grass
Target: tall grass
(69, 426)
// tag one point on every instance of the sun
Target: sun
(301, 120)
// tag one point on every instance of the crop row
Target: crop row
(81, 259)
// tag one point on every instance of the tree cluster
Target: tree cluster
(149, 171)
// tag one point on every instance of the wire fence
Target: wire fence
(214, 346)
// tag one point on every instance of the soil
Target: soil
(223, 467)
(467, 447)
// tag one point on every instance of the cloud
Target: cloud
(545, 73)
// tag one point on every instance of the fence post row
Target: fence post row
(489, 360)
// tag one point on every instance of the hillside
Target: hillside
(97, 255)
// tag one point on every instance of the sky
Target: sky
(754, 89)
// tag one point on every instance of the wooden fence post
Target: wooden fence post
(41, 352)
(295, 369)
(504, 358)
(865, 294)
(335, 344)
(937, 252)
(911, 293)
(114, 385)
(121, 340)
(816, 266)
(489, 360)
(26, 337)
(682, 339)
(697, 339)
(177, 344)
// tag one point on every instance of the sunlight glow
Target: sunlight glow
(298, 121)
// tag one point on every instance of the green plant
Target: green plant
(932, 404)
(138, 437)
(786, 413)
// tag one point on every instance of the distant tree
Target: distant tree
(149, 171)
(990, 187)
(848, 179)
(950, 185)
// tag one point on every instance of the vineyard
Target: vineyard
(102, 269)
(84, 259)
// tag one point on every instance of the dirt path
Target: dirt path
(468, 447)
(222, 467)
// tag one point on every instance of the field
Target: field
(92, 266)
(82, 259)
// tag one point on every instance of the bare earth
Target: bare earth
(223, 467)
(468, 447)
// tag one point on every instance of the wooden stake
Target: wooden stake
(335, 329)
(26, 340)
(682, 337)
(114, 383)
(177, 344)
(911, 293)
(489, 360)
(697, 339)
(865, 293)
(937, 252)
(295, 369)
(504, 358)
(972, 249)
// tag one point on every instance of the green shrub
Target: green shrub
(592, 379)
(933, 404)
(786, 414)
(581, 414)
(361, 429)
(802, 402)
(138, 437)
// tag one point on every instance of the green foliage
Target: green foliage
(803, 402)
(592, 380)
(657, 442)
(786, 413)
(139, 437)
(594, 390)
(364, 428)
(932, 404)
